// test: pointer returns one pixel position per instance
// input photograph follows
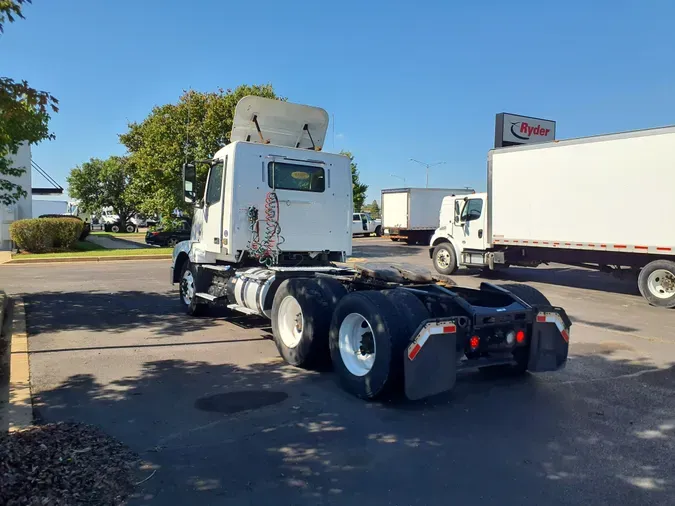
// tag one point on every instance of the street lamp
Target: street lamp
(428, 166)
(398, 177)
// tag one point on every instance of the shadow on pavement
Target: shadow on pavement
(271, 434)
(572, 277)
(381, 250)
(117, 312)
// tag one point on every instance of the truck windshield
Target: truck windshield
(289, 176)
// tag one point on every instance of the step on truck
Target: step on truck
(270, 236)
(600, 202)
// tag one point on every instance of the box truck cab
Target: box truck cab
(569, 202)
(462, 235)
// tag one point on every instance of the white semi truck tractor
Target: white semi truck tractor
(600, 202)
(269, 233)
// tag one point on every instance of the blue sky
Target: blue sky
(403, 79)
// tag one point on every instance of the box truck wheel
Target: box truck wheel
(367, 338)
(189, 286)
(301, 315)
(445, 259)
(656, 283)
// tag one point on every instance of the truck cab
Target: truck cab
(364, 224)
(462, 236)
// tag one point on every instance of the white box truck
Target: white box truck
(273, 220)
(604, 202)
(411, 214)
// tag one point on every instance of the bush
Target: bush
(43, 235)
(86, 229)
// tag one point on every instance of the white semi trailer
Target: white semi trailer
(268, 232)
(411, 214)
(602, 202)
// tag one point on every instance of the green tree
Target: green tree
(24, 116)
(192, 129)
(101, 183)
(358, 189)
(374, 210)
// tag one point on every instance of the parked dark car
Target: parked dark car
(85, 230)
(160, 237)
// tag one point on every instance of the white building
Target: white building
(23, 208)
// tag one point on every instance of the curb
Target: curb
(86, 259)
(20, 399)
(16, 412)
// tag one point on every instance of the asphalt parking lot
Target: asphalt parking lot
(210, 406)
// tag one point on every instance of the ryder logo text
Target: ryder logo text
(523, 130)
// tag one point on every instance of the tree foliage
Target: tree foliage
(102, 183)
(358, 189)
(192, 129)
(374, 210)
(24, 116)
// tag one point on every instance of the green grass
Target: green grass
(87, 249)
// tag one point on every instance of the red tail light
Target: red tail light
(474, 342)
(520, 337)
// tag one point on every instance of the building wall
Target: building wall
(24, 208)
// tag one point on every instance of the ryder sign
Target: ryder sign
(512, 130)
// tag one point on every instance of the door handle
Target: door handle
(480, 233)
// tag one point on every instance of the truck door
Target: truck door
(357, 226)
(213, 208)
(470, 227)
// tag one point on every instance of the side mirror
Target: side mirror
(189, 183)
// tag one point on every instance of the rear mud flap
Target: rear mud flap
(550, 340)
(430, 361)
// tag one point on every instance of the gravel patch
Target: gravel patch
(64, 464)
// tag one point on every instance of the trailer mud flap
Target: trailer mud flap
(430, 361)
(550, 340)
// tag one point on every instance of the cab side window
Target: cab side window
(472, 209)
(214, 188)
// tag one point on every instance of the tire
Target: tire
(445, 258)
(383, 330)
(305, 343)
(171, 243)
(115, 228)
(378, 231)
(130, 228)
(656, 283)
(409, 307)
(190, 282)
(395, 239)
(527, 293)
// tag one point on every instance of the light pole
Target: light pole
(428, 166)
(398, 177)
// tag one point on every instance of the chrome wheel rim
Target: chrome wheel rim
(357, 344)
(443, 259)
(291, 321)
(187, 287)
(661, 284)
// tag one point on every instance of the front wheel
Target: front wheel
(445, 259)
(378, 231)
(130, 228)
(171, 243)
(656, 283)
(189, 283)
